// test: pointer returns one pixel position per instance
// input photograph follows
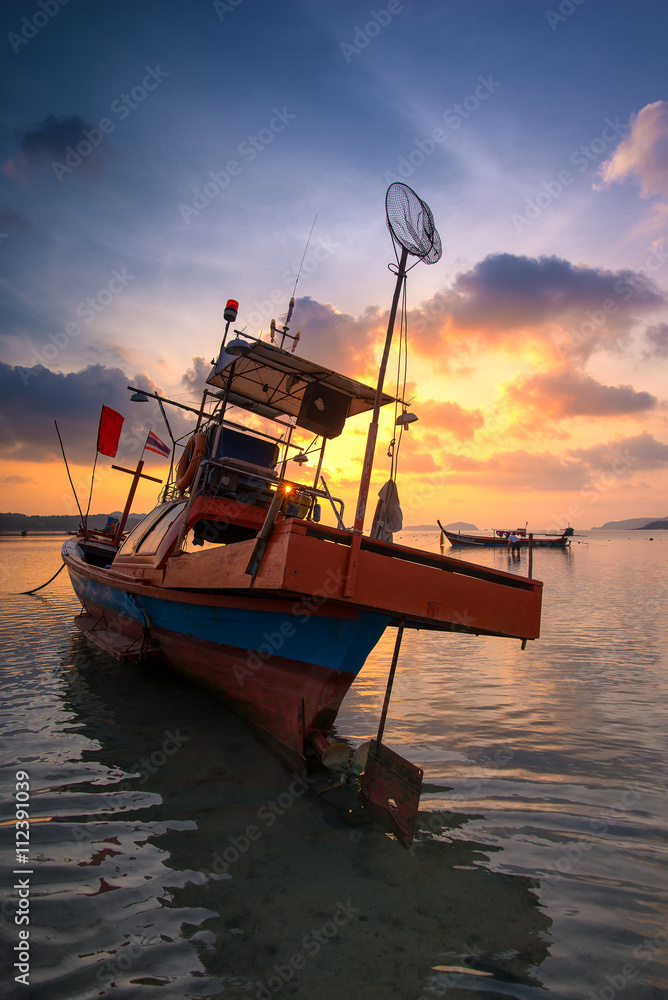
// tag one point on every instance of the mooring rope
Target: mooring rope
(22, 593)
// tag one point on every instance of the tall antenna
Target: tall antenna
(273, 330)
(301, 263)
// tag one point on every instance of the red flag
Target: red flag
(109, 431)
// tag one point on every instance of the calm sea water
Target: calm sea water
(172, 856)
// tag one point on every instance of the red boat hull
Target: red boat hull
(290, 700)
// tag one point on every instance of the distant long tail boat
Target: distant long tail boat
(499, 538)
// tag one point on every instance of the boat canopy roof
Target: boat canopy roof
(272, 382)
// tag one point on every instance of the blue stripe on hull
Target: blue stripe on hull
(336, 643)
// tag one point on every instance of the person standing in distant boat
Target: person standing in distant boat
(514, 543)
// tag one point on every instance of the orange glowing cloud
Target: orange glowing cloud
(566, 393)
(449, 418)
(545, 304)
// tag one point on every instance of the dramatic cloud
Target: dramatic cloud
(518, 470)
(522, 470)
(47, 142)
(449, 418)
(657, 341)
(196, 376)
(624, 456)
(643, 154)
(578, 309)
(32, 398)
(337, 340)
(504, 291)
(416, 461)
(567, 393)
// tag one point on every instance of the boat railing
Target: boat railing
(226, 476)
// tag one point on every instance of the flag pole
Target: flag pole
(90, 494)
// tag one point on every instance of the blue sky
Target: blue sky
(502, 115)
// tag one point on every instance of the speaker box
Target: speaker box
(323, 410)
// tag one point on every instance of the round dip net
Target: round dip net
(411, 223)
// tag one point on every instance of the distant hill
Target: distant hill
(58, 522)
(631, 522)
(461, 526)
(660, 525)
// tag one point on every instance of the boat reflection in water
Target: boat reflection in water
(200, 863)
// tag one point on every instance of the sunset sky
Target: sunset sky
(159, 158)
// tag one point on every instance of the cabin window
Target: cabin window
(152, 540)
(166, 514)
(210, 532)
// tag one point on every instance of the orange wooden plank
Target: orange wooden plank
(298, 563)
(416, 591)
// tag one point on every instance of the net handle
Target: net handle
(365, 480)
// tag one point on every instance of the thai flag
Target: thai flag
(153, 443)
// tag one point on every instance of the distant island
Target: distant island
(651, 523)
(12, 523)
(461, 526)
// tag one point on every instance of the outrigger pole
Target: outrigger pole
(76, 498)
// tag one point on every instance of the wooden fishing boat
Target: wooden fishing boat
(499, 538)
(234, 581)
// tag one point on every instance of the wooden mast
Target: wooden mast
(373, 434)
(136, 476)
